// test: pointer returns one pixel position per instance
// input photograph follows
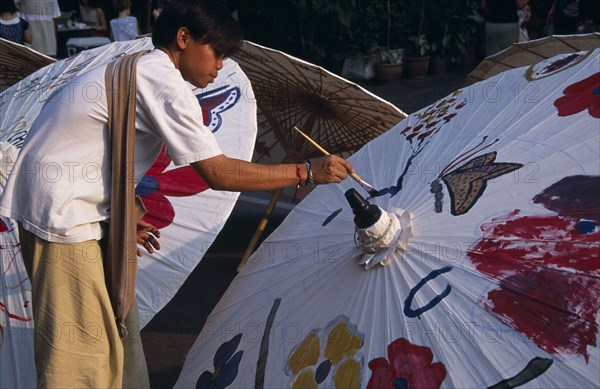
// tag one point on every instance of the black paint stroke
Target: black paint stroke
(331, 217)
(535, 368)
(261, 365)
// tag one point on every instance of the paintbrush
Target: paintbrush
(368, 187)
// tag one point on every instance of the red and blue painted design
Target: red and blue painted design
(157, 185)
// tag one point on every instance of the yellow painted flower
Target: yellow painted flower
(328, 357)
(306, 354)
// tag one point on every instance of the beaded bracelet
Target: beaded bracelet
(309, 173)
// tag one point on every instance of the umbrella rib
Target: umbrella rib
(574, 48)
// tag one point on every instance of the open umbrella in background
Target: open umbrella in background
(18, 61)
(338, 114)
(496, 282)
(532, 52)
(179, 203)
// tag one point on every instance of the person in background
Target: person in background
(93, 16)
(564, 16)
(524, 14)
(42, 16)
(589, 15)
(501, 24)
(125, 27)
(12, 27)
(158, 7)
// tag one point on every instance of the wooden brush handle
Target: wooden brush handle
(318, 147)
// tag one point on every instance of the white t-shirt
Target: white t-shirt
(59, 188)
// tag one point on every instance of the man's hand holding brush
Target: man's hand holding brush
(326, 170)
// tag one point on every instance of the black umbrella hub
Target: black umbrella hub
(379, 234)
(366, 214)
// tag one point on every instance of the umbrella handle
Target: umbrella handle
(262, 225)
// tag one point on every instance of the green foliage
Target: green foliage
(326, 31)
(310, 29)
(451, 27)
(390, 56)
(422, 48)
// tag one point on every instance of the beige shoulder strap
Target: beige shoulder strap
(121, 260)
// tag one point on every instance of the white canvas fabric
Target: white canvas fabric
(500, 280)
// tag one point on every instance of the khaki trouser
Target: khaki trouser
(77, 344)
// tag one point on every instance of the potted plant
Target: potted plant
(390, 65)
(455, 33)
(418, 65)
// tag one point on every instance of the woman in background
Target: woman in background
(125, 27)
(42, 16)
(93, 16)
(524, 14)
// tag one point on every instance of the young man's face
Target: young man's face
(199, 63)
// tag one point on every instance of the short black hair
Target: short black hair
(209, 20)
(8, 6)
(121, 5)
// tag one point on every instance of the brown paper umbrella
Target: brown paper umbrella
(532, 52)
(18, 61)
(339, 115)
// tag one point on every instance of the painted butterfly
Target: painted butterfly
(468, 182)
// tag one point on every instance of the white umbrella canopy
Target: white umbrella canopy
(498, 286)
(179, 203)
(21, 103)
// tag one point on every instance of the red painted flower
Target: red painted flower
(183, 181)
(548, 267)
(549, 284)
(582, 95)
(157, 184)
(3, 226)
(407, 366)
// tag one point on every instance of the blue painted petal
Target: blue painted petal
(596, 91)
(146, 186)
(225, 351)
(586, 226)
(229, 371)
(400, 383)
(204, 381)
(323, 371)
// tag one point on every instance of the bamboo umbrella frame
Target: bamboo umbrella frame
(531, 52)
(18, 61)
(339, 115)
